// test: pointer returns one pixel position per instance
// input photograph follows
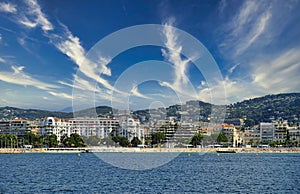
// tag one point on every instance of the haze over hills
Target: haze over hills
(266, 108)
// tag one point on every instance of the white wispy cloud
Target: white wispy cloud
(271, 74)
(258, 28)
(90, 72)
(278, 73)
(253, 41)
(84, 88)
(243, 17)
(172, 54)
(233, 68)
(181, 84)
(236, 90)
(245, 28)
(80, 83)
(71, 46)
(2, 60)
(8, 7)
(134, 91)
(34, 17)
(19, 77)
(27, 23)
(60, 94)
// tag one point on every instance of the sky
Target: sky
(53, 56)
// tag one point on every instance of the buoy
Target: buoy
(189, 154)
(256, 154)
(78, 154)
(218, 154)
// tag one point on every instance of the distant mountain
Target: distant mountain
(31, 114)
(266, 108)
(66, 110)
(101, 111)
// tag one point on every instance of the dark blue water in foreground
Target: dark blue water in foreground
(208, 173)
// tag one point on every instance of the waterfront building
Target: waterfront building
(252, 137)
(208, 131)
(57, 126)
(294, 135)
(35, 126)
(130, 128)
(185, 132)
(101, 127)
(238, 138)
(19, 127)
(229, 131)
(165, 126)
(281, 131)
(267, 131)
(4, 127)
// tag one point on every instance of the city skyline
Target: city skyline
(43, 46)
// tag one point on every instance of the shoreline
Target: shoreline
(146, 150)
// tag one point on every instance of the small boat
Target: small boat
(226, 151)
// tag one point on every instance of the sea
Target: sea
(186, 173)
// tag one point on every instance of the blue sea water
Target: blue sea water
(188, 173)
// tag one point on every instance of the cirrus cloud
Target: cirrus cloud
(19, 77)
(8, 7)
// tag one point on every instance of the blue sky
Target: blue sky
(44, 47)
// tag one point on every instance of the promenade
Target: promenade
(11, 150)
(145, 150)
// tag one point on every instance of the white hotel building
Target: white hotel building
(57, 126)
(130, 128)
(100, 127)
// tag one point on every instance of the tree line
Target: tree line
(75, 140)
(40, 141)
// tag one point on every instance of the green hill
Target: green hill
(266, 108)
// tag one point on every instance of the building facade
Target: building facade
(267, 132)
(57, 126)
(130, 128)
(294, 135)
(281, 131)
(101, 127)
(252, 137)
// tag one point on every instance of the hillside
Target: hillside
(31, 114)
(266, 108)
